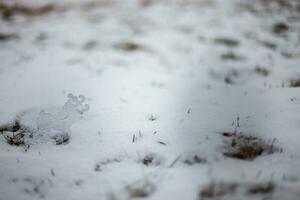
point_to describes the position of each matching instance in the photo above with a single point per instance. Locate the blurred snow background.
(145, 91)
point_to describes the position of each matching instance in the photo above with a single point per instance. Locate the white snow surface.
(169, 95)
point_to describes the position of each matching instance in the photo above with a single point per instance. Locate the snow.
(153, 83)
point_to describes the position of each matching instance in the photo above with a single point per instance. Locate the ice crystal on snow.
(58, 124)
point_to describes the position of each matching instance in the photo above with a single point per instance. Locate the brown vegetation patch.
(141, 190)
(295, 83)
(231, 189)
(6, 37)
(214, 190)
(128, 46)
(280, 28)
(15, 139)
(8, 10)
(246, 147)
(227, 42)
(231, 56)
(11, 127)
(262, 71)
(272, 6)
(261, 188)
(14, 133)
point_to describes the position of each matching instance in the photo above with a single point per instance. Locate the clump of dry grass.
(246, 147)
(151, 159)
(261, 188)
(230, 189)
(15, 139)
(7, 36)
(231, 56)
(226, 41)
(295, 83)
(141, 190)
(8, 10)
(280, 28)
(148, 159)
(271, 6)
(11, 127)
(195, 159)
(14, 133)
(262, 71)
(214, 190)
(128, 46)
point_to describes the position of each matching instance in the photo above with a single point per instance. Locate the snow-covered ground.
(152, 95)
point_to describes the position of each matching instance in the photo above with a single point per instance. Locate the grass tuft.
(246, 147)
